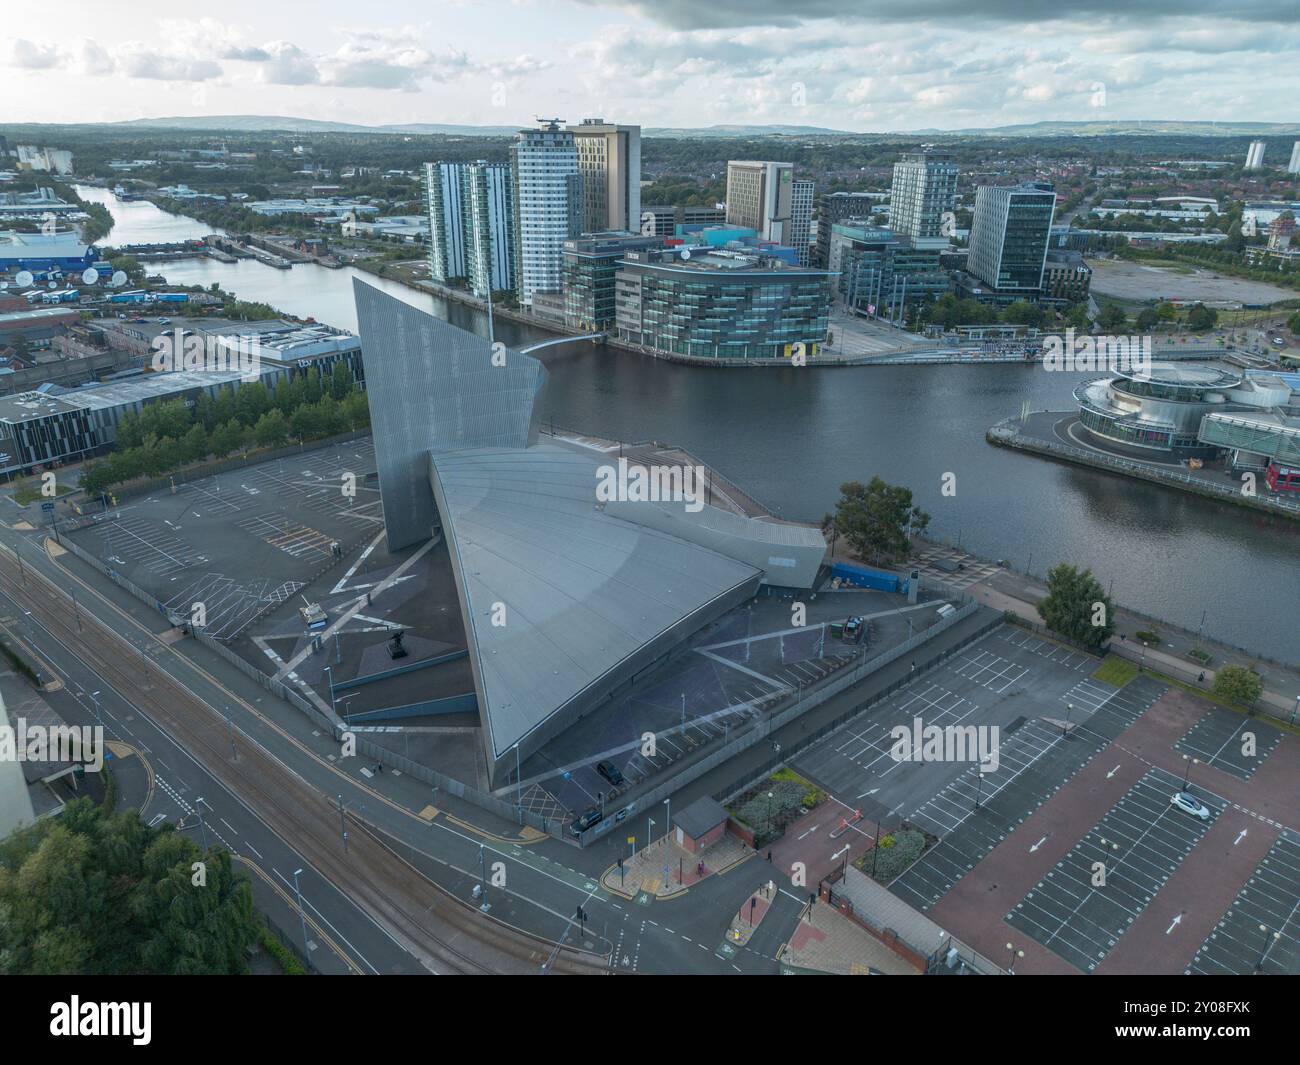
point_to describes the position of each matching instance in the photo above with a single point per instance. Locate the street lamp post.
(1065, 728)
(1187, 771)
(99, 718)
(301, 918)
(1269, 940)
(519, 786)
(1013, 954)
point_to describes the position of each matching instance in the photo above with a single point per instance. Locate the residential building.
(1255, 155)
(548, 206)
(489, 217)
(1009, 238)
(1293, 167)
(760, 197)
(721, 304)
(609, 159)
(444, 187)
(925, 186)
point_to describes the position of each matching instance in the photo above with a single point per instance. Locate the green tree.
(875, 519)
(1112, 318)
(341, 381)
(94, 893)
(1077, 317)
(194, 444)
(1077, 606)
(1237, 684)
(1147, 319)
(1293, 324)
(1166, 311)
(272, 429)
(226, 438)
(1201, 318)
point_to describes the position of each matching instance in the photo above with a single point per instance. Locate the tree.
(341, 380)
(876, 519)
(272, 429)
(1147, 319)
(1293, 324)
(1237, 684)
(226, 438)
(96, 893)
(1077, 317)
(1201, 318)
(1166, 311)
(1112, 318)
(1076, 606)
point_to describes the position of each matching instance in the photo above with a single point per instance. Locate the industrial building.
(566, 597)
(39, 252)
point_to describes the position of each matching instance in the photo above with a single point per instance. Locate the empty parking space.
(156, 548)
(1230, 742)
(974, 813)
(1066, 657)
(1107, 879)
(229, 606)
(1261, 931)
(291, 537)
(989, 670)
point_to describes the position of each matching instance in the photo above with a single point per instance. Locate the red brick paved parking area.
(1170, 881)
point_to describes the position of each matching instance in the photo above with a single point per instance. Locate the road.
(376, 909)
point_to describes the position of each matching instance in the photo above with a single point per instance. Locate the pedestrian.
(769, 856)
(1201, 678)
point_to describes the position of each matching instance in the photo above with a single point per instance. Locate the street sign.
(48, 505)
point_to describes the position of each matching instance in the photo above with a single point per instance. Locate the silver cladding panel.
(790, 556)
(433, 388)
(589, 598)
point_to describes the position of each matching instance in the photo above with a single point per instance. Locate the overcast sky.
(867, 66)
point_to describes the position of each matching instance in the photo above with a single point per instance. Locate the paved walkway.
(645, 872)
(830, 942)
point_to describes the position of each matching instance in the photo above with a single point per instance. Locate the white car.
(1190, 805)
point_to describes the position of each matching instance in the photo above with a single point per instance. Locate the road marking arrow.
(1240, 836)
(840, 853)
(1174, 924)
(1037, 845)
(1112, 772)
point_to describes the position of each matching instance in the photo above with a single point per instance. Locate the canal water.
(791, 437)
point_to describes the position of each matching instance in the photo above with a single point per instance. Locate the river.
(790, 437)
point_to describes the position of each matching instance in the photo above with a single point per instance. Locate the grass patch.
(29, 491)
(1115, 670)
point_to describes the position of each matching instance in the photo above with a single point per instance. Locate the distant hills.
(1112, 127)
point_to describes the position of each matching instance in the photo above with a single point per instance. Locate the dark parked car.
(610, 772)
(591, 817)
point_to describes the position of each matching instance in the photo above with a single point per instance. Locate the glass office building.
(721, 304)
(590, 265)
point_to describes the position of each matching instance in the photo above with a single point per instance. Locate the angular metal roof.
(586, 595)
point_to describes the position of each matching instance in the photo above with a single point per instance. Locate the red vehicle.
(1283, 478)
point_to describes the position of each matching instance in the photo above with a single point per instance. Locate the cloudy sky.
(847, 64)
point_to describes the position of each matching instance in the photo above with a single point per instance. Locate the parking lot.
(243, 541)
(1037, 758)
(1012, 681)
(1261, 931)
(1230, 742)
(1092, 896)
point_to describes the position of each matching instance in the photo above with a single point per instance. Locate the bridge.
(532, 349)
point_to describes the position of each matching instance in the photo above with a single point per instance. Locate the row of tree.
(169, 434)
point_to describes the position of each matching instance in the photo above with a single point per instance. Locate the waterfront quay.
(1055, 434)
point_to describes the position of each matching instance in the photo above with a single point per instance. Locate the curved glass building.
(1161, 410)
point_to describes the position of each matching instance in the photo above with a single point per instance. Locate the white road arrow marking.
(840, 853)
(1240, 836)
(1174, 924)
(1037, 845)
(1112, 772)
